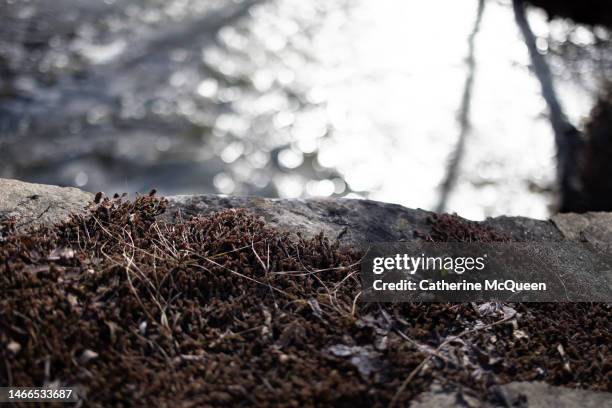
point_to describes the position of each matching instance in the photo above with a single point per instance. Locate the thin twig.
(448, 340)
(464, 115)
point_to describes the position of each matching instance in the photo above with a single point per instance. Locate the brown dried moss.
(223, 310)
(452, 228)
(538, 357)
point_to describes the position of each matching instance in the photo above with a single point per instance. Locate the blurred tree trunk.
(596, 168)
(568, 140)
(584, 164)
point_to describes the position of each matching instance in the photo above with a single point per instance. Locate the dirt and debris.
(223, 310)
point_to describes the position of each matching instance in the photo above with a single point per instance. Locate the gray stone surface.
(542, 395)
(526, 229)
(34, 204)
(516, 394)
(595, 228)
(353, 222)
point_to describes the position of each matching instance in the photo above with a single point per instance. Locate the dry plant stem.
(240, 275)
(448, 340)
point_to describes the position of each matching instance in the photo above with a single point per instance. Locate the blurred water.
(286, 98)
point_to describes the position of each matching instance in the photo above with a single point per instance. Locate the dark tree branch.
(464, 116)
(568, 140)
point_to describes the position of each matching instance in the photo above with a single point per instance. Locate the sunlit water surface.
(286, 98)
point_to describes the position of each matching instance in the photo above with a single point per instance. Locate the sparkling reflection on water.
(283, 98)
